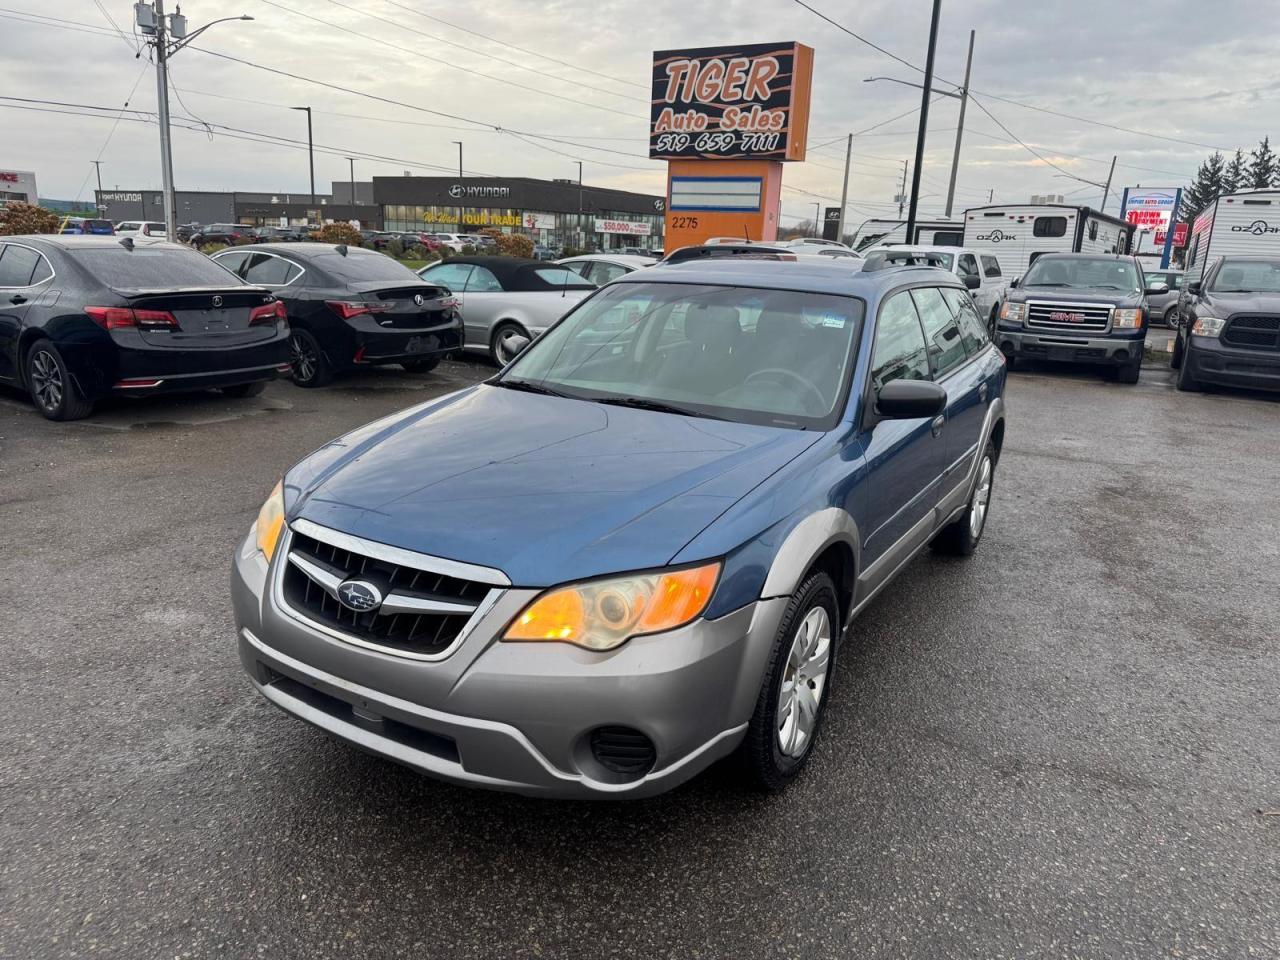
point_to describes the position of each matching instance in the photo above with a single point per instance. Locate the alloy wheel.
(981, 498)
(505, 353)
(46, 379)
(803, 683)
(302, 358)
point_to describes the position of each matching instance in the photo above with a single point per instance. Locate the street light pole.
(581, 232)
(352, 161)
(1107, 189)
(817, 216)
(311, 154)
(459, 143)
(844, 193)
(924, 121)
(964, 102)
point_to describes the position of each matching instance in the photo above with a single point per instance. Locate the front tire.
(51, 386)
(794, 694)
(1129, 372)
(307, 360)
(499, 344)
(961, 536)
(1187, 381)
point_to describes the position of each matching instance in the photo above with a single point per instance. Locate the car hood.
(1119, 298)
(546, 489)
(1229, 303)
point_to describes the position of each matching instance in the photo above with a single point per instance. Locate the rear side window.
(946, 348)
(899, 352)
(482, 280)
(364, 266)
(602, 273)
(145, 268)
(991, 265)
(1049, 227)
(17, 265)
(232, 261)
(269, 270)
(972, 330)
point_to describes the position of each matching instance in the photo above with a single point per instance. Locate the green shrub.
(23, 218)
(395, 248)
(209, 249)
(514, 245)
(338, 233)
(571, 252)
(417, 252)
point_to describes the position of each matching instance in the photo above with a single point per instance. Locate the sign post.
(726, 119)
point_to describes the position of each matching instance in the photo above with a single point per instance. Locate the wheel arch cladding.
(828, 540)
(997, 437)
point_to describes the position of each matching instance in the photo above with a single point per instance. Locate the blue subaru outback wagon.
(636, 549)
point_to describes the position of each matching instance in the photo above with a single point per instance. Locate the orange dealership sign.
(744, 102)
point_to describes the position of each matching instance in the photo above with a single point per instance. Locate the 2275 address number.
(684, 223)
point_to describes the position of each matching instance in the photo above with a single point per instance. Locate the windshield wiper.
(528, 386)
(640, 403)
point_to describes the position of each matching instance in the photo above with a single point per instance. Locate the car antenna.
(342, 249)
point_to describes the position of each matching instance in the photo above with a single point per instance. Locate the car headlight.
(1208, 326)
(271, 521)
(1013, 312)
(1126, 319)
(603, 614)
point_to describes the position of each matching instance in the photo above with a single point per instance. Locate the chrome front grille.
(424, 605)
(1051, 315)
(1252, 332)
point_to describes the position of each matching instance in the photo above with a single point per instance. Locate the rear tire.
(51, 386)
(242, 390)
(796, 687)
(502, 354)
(961, 536)
(1187, 381)
(1129, 372)
(310, 368)
(421, 365)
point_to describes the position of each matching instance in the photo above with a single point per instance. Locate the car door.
(949, 363)
(23, 275)
(484, 301)
(967, 266)
(976, 383)
(905, 458)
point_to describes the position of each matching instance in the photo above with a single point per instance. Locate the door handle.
(938, 421)
(17, 298)
(982, 392)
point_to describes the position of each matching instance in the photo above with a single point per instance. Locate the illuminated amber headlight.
(271, 521)
(603, 614)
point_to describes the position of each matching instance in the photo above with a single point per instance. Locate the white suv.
(139, 228)
(980, 271)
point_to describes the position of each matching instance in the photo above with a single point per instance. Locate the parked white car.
(980, 272)
(505, 298)
(140, 228)
(454, 241)
(600, 268)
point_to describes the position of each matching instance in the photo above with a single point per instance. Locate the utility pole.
(1107, 189)
(459, 143)
(817, 217)
(167, 35)
(352, 161)
(924, 121)
(844, 194)
(581, 232)
(311, 154)
(964, 102)
(902, 193)
(991, 195)
(97, 165)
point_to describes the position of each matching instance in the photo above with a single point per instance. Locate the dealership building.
(552, 212)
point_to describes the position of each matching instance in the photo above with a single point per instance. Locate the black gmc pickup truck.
(1080, 308)
(1230, 329)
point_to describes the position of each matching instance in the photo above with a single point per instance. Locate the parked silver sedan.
(505, 300)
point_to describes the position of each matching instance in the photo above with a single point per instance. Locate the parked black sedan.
(83, 317)
(348, 306)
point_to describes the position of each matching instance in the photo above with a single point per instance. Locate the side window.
(899, 352)
(580, 267)
(968, 266)
(1175, 281)
(270, 271)
(482, 280)
(42, 271)
(450, 275)
(232, 261)
(946, 348)
(602, 273)
(16, 265)
(972, 330)
(1049, 227)
(991, 265)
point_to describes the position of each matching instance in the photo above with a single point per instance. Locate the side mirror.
(910, 400)
(1194, 288)
(1013, 284)
(1157, 289)
(972, 282)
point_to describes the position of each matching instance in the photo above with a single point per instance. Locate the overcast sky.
(1177, 68)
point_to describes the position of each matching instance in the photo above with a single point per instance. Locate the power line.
(860, 38)
(1041, 157)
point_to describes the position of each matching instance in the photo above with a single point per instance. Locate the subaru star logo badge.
(417, 298)
(359, 595)
(217, 301)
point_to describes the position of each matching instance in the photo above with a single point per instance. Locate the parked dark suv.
(1079, 308)
(1230, 333)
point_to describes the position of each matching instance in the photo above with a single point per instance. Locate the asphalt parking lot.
(1064, 747)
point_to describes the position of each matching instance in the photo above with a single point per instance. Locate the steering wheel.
(780, 373)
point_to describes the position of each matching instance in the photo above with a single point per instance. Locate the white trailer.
(1018, 233)
(1238, 224)
(928, 233)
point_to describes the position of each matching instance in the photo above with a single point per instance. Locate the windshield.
(773, 357)
(147, 267)
(1099, 273)
(1247, 276)
(364, 266)
(879, 259)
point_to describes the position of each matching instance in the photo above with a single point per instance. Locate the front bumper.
(1211, 361)
(512, 716)
(1066, 347)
